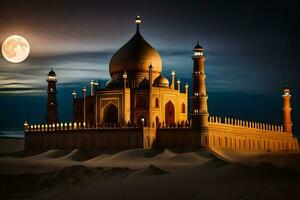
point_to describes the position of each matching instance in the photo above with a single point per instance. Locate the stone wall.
(173, 138)
(249, 136)
(223, 133)
(86, 139)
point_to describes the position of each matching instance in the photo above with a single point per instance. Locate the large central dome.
(135, 57)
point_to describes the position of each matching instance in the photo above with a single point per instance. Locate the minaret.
(286, 111)
(51, 104)
(173, 80)
(84, 105)
(124, 99)
(199, 97)
(150, 96)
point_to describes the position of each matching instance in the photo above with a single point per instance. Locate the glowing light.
(138, 20)
(198, 53)
(52, 78)
(15, 49)
(74, 94)
(125, 75)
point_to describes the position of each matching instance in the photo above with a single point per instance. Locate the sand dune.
(131, 154)
(188, 158)
(149, 171)
(77, 156)
(53, 153)
(165, 154)
(149, 174)
(215, 179)
(99, 158)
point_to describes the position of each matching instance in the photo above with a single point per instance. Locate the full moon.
(15, 49)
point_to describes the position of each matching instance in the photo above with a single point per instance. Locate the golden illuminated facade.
(139, 108)
(137, 94)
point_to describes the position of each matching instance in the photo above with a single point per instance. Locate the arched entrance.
(110, 114)
(157, 122)
(169, 113)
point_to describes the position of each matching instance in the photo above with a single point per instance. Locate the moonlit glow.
(15, 49)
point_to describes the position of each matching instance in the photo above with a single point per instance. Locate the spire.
(198, 46)
(138, 21)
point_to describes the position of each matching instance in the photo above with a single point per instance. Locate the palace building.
(139, 108)
(137, 92)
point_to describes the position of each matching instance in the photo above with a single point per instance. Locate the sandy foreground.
(142, 174)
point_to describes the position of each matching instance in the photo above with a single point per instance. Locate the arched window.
(141, 102)
(156, 103)
(169, 113)
(110, 114)
(183, 108)
(157, 121)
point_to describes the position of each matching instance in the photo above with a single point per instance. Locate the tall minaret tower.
(286, 110)
(51, 104)
(199, 99)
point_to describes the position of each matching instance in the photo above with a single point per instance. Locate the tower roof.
(51, 73)
(135, 56)
(198, 47)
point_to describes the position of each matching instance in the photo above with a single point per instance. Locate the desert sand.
(146, 174)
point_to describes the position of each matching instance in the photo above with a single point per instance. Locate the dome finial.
(138, 21)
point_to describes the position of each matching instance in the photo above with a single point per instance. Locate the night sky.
(251, 49)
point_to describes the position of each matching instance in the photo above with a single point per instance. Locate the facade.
(137, 94)
(139, 108)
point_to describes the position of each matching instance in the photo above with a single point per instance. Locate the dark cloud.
(251, 46)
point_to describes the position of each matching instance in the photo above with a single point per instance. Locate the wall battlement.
(83, 126)
(245, 123)
(220, 135)
(249, 138)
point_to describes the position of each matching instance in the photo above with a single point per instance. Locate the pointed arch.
(110, 114)
(156, 103)
(140, 102)
(169, 113)
(183, 108)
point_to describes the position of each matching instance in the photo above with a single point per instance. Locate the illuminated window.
(183, 108)
(51, 78)
(156, 103)
(197, 53)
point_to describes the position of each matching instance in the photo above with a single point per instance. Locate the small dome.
(198, 47)
(144, 84)
(286, 91)
(161, 81)
(51, 73)
(114, 83)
